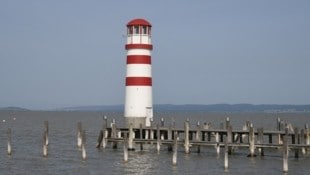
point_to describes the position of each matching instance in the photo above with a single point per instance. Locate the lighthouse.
(138, 95)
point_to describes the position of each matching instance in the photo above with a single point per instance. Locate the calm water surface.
(65, 158)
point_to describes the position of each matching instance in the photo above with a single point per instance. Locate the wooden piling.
(100, 139)
(83, 145)
(260, 140)
(105, 132)
(170, 137)
(158, 138)
(79, 134)
(44, 144)
(251, 142)
(302, 141)
(114, 134)
(175, 149)
(198, 137)
(226, 154)
(125, 147)
(131, 137)
(229, 138)
(46, 131)
(217, 139)
(186, 137)
(9, 135)
(296, 141)
(285, 151)
(141, 137)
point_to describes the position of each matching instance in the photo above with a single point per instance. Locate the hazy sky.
(69, 53)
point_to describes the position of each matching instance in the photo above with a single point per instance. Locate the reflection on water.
(65, 158)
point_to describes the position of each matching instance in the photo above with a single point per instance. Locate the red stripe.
(139, 46)
(138, 59)
(138, 81)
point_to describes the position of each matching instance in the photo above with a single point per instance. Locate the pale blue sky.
(69, 53)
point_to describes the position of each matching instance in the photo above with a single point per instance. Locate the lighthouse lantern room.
(138, 98)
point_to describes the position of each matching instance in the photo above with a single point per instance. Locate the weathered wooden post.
(229, 138)
(83, 145)
(285, 151)
(307, 132)
(100, 139)
(251, 142)
(175, 149)
(125, 147)
(9, 134)
(79, 134)
(152, 131)
(105, 132)
(114, 134)
(141, 137)
(279, 129)
(44, 144)
(158, 138)
(226, 154)
(170, 137)
(217, 140)
(296, 141)
(260, 140)
(186, 137)
(198, 136)
(131, 137)
(46, 131)
(302, 141)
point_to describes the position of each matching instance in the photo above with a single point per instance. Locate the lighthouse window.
(129, 30)
(136, 29)
(144, 30)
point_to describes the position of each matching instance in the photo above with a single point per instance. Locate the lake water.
(65, 158)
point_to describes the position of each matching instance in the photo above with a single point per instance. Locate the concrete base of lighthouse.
(135, 121)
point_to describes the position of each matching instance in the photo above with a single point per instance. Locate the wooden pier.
(255, 140)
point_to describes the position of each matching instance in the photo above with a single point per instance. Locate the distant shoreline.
(267, 108)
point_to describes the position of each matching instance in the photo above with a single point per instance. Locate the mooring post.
(141, 137)
(226, 154)
(105, 132)
(9, 134)
(285, 151)
(114, 134)
(170, 137)
(217, 140)
(152, 131)
(46, 131)
(175, 149)
(83, 145)
(302, 141)
(296, 141)
(198, 136)
(125, 147)
(229, 138)
(131, 137)
(251, 141)
(186, 137)
(44, 144)
(279, 129)
(79, 134)
(100, 139)
(260, 140)
(158, 138)
(307, 132)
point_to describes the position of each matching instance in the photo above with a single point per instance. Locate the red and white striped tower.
(138, 99)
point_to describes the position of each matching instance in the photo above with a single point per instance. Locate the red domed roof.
(139, 21)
